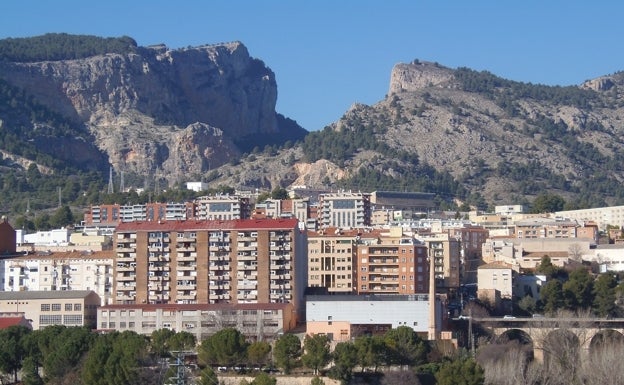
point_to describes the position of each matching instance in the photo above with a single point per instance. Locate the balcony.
(243, 267)
(219, 258)
(219, 268)
(125, 268)
(219, 296)
(158, 268)
(185, 296)
(285, 286)
(186, 286)
(126, 278)
(186, 267)
(162, 258)
(186, 249)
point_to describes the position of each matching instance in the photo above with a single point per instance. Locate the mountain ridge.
(208, 113)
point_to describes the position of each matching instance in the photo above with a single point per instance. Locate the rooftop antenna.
(110, 181)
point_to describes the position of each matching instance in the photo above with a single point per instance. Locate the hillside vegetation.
(470, 137)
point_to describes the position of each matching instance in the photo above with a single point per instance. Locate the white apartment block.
(60, 272)
(344, 210)
(603, 216)
(222, 207)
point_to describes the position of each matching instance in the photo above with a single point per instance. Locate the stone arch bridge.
(577, 333)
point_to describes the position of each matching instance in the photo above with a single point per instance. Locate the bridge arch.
(562, 346)
(518, 335)
(605, 338)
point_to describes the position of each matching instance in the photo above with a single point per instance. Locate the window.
(122, 325)
(45, 307)
(131, 324)
(77, 307)
(72, 319)
(68, 307)
(56, 307)
(50, 319)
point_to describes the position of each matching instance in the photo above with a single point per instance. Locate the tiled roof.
(78, 255)
(53, 294)
(235, 224)
(6, 322)
(200, 306)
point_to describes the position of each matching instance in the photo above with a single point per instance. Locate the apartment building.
(471, 240)
(403, 200)
(332, 255)
(210, 262)
(446, 253)
(285, 208)
(113, 214)
(222, 207)
(546, 228)
(393, 264)
(602, 216)
(82, 271)
(44, 308)
(344, 210)
(258, 322)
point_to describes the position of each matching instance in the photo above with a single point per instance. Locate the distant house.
(495, 281)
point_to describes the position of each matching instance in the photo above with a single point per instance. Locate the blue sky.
(328, 54)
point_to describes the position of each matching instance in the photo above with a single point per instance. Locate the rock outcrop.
(159, 110)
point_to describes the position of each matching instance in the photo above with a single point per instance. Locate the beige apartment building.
(394, 264)
(331, 259)
(210, 262)
(44, 308)
(446, 253)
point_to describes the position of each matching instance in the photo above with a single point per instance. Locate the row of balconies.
(383, 261)
(224, 267)
(218, 296)
(247, 296)
(187, 248)
(283, 237)
(159, 258)
(247, 275)
(164, 239)
(158, 268)
(275, 286)
(219, 258)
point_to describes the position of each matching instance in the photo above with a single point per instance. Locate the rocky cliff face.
(158, 110)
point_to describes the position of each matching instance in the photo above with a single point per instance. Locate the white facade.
(57, 237)
(344, 210)
(508, 209)
(58, 272)
(221, 207)
(395, 310)
(608, 257)
(197, 186)
(603, 216)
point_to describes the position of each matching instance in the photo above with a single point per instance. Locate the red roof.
(6, 322)
(235, 224)
(199, 306)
